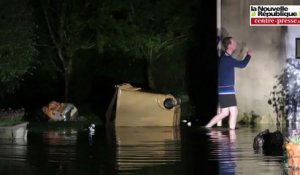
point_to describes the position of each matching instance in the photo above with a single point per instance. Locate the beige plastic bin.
(135, 107)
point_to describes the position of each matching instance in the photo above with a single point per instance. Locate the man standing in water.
(227, 99)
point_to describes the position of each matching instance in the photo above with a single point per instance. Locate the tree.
(16, 43)
(148, 29)
(69, 27)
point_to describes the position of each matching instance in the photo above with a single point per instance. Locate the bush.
(285, 96)
(11, 116)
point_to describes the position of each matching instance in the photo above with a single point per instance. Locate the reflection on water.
(12, 154)
(234, 154)
(57, 142)
(51, 151)
(140, 147)
(121, 150)
(14, 150)
(226, 150)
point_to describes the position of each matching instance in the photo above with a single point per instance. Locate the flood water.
(138, 150)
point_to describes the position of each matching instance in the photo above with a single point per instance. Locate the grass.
(9, 122)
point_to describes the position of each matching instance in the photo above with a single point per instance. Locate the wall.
(254, 83)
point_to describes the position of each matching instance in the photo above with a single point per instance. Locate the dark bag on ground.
(269, 142)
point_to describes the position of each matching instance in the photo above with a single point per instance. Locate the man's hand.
(249, 52)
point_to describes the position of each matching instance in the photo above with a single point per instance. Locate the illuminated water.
(155, 151)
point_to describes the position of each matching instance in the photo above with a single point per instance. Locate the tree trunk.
(67, 81)
(64, 55)
(151, 79)
(66, 60)
(67, 75)
(150, 75)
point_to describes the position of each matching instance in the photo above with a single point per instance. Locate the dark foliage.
(285, 96)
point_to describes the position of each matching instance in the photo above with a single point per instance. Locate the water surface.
(138, 150)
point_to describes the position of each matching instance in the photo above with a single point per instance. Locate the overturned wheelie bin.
(131, 106)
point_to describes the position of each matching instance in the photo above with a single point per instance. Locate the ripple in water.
(140, 147)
